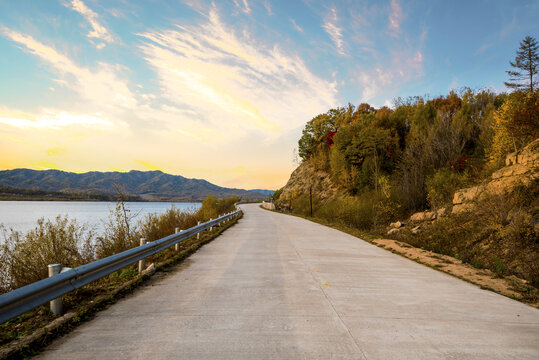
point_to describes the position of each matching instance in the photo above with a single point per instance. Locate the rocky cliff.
(302, 179)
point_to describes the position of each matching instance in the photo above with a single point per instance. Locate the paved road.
(279, 287)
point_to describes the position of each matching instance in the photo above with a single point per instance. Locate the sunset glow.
(221, 90)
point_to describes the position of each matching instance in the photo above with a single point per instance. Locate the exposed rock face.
(268, 205)
(301, 181)
(394, 230)
(460, 208)
(442, 212)
(468, 194)
(521, 169)
(423, 216)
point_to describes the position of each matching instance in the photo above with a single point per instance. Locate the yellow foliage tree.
(516, 123)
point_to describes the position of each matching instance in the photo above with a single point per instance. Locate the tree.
(516, 123)
(526, 62)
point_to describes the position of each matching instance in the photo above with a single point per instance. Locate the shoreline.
(94, 200)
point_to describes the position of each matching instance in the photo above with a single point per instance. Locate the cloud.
(296, 26)
(222, 94)
(268, 7)
(334, 31)
(244, 6)
(232, 83)
(404, 66)
(98, 31)
(100, 86)
(482, 49)
(53, 120)
(374, 82)
(395, 17)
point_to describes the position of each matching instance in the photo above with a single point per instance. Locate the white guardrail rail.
(21, 300)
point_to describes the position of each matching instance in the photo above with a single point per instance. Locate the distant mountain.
(265, 192)
(150, 185)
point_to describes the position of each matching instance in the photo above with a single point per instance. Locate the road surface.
(280, 287)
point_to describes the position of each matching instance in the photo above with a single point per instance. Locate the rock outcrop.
(268, 205)
(300, 183)
(521, 169)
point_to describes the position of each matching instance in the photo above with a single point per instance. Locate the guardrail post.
(56, 304)
(177, 245)
(198, 234)
(211, 227)
(142, 263)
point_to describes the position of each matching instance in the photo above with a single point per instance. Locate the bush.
(120, 233)
(357, 212)
(386, 211)
(24, 259)
(157, 226)
(277, 194)
(442, 185)
(212, 207)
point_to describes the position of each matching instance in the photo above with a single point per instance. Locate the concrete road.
(280, 287)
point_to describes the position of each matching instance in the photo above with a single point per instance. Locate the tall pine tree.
(526, 65)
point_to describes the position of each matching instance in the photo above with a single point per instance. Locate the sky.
(221, 90)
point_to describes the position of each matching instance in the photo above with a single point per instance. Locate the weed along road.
(280, 287)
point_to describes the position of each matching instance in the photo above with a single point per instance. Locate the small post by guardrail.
(211, 227)
(142, 262)
(198, 234)
(177, 245)
(55, 304)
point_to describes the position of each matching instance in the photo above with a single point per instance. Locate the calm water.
(23, 215)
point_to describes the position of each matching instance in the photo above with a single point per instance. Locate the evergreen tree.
(526, 63)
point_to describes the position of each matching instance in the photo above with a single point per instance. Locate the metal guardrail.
(21, 300)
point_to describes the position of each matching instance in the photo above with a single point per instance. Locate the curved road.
(280, 287)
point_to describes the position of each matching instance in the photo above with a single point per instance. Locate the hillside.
(304, 178)
(150, 185)
(456, 175)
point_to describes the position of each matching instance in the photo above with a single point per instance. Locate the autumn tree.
(516, 123)
(526, 65)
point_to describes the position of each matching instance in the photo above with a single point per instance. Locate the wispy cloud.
(395, 17)
(482, 49)
(98, 31)
(101, 85)
(268, 7)
(244, 6)
(331, 26)
(405, 65)
(232, 83)
(52, 120)
(296, 26)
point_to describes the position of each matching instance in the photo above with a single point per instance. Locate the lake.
(23, 215)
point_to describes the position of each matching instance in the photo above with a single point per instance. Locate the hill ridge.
(150, 185)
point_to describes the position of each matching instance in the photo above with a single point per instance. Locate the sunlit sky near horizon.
(221, 90)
